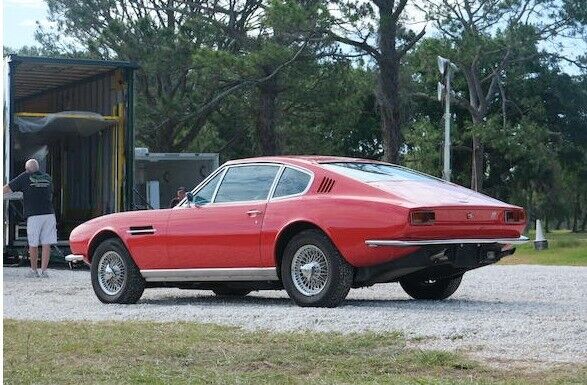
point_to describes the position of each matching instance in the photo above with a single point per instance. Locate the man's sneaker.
(32, 274)
(44, 275)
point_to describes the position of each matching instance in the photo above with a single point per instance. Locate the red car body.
(370, 223)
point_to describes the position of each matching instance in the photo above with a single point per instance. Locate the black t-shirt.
(37, 192)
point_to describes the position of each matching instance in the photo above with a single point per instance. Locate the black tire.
(133, 284)
(231, 292)
(436, 290)
(339, 275)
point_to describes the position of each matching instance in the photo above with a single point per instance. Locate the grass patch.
(564, 248)
(190, 353)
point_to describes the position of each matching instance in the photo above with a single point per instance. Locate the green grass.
(564, 248)
(182, 353)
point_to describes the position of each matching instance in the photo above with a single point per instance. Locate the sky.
(20, 17)
(19, 22)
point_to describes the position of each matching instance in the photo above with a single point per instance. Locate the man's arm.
(15, 184)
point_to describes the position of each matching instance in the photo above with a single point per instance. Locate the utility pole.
(446, 69)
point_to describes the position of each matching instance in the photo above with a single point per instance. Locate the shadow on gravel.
(458, 305)
(215, 301)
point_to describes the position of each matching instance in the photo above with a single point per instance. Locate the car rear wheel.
(437, 289)
(313, 272)
(231, 292)
(115, 277)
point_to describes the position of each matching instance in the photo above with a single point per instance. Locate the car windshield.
(375, 172)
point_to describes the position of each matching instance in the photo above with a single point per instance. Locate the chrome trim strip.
(203, 183)
(215, 274)
(399, 243)
(217, 185)
(141, 231)
(275, 182)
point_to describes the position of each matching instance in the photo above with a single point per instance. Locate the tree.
(192, 55)
(376, 29)
(486, 38)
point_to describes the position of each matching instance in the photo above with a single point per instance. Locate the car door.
(222, 228)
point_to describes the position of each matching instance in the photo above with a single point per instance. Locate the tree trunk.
(389, 106)
(388, 82)
(268, 93)
(477, 166)
(576, 213)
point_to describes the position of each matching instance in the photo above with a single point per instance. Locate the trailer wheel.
(115, 277)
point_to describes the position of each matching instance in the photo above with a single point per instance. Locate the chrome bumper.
(479, 241)
(74, 258)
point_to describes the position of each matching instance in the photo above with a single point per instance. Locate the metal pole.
(446, 170)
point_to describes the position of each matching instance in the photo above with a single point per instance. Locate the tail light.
(515, 216)
(422, 217)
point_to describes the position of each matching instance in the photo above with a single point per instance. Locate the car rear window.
(375, 172)
(292, 182)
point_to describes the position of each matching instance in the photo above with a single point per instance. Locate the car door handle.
(254, 213)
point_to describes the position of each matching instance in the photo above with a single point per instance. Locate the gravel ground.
(534, 314)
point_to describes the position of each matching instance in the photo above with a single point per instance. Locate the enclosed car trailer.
(76, 117)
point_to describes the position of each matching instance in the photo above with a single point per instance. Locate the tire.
(130, 284)
(334, 275)
(230, 292)
(436, 290)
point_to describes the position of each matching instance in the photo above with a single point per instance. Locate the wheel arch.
(100, 237)
(287, 233)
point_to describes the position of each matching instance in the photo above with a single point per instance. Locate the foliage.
(253, 77)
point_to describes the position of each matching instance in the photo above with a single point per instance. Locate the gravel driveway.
(526, 313)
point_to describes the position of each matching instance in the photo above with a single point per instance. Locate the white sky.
(21, 17)
(19, 22)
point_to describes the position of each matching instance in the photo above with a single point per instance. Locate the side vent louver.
(326, 185)
(141, 230)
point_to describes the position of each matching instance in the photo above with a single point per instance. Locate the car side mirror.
(190, 197)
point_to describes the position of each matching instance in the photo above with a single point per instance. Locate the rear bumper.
(428, 242)
(434, 262)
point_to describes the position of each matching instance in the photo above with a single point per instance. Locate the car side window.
(205, 194)
(291, 182)
(246, 183)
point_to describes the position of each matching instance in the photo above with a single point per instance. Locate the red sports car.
(316, 226)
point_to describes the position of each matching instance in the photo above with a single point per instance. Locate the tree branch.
(363, 45)
(406, 47)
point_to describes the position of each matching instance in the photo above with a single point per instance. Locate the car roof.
(299, 159)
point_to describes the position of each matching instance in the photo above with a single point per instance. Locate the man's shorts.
(41, 230)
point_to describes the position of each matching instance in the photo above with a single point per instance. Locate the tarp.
(67, 122)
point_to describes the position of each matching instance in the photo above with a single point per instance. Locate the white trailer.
(159, 175)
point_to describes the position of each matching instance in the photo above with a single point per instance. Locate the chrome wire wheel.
(309, 270)
(111, 273)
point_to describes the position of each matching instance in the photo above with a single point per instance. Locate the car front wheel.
(313, 272)
(437, 289)
(115, 277)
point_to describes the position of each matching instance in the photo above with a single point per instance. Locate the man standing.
(178, 198)
(37, 191)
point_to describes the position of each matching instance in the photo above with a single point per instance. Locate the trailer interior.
(73, 117)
